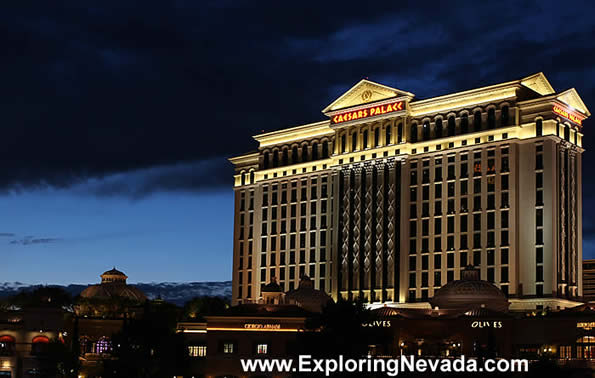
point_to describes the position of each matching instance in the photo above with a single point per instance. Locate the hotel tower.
(390, 197)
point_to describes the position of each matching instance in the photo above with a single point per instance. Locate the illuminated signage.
(370, 111)
(487, 324)
(585, 325)
(378, 323)
(261, 326)
(568, 115)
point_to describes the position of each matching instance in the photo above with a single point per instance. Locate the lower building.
(26, 338)
(101, 312)
(469, 317)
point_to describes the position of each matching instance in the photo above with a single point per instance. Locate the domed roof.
(113, 285)
(470, 292)
(114, 272)
(109, 291)
(307, 297)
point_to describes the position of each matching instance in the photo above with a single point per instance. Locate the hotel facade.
(391, 197)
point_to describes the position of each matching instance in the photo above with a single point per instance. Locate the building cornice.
(293, 134)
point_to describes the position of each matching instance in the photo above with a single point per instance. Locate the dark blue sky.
(117, 117)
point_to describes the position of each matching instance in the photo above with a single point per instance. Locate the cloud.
(30, 240)
(134, 97)
(6, 234)
(181, 177)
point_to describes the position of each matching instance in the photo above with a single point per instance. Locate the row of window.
(228, 347)
(567, 129)
(426, 132)
(488, 260)
(489, 242)
(305, 153)
(539, 219)
(39, 345)
(300, 238)
(463, 224)
(357, 144)
(313, 194)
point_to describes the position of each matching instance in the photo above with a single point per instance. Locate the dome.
(113, 285)
(307, 297)
(103, 291)
(470, 292)
(113, 275)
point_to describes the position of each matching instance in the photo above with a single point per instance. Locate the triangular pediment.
(539, 83)
(571, 98)
(365, 92)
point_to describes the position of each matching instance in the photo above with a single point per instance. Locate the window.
(567, 133)
(343, 143)
(377, 137)
(504, 116)
(388, 134)
(464, 123)
(450, 260)
(438, 174)
(539, 180)
(504, 164)
(477, 121)
(365, 141)
(504, 238)
(262, 349)
(413, 136)
(412, 264)
(285, 157)
(491, 118)
(539, 217)
(438, 189)
(7, 345)
(539, 127)
(438, 131)
(103, 346)
(353, 141)
(539, 236)
(197, 350)
(463, 242)
(40, 345)
(539, 273)
(426, 130)
(451, 125)
(539, 161)
(228, 348)
(504, 182)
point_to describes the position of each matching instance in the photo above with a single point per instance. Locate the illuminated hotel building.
(391, 197)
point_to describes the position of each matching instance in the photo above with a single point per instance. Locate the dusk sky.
(117, 121)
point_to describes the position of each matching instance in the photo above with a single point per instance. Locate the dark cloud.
(6, 234)
(30, 240)
(128, 98)
(182, 177)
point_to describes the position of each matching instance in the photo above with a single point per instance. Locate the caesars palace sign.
(568, 115)
(367, 112)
